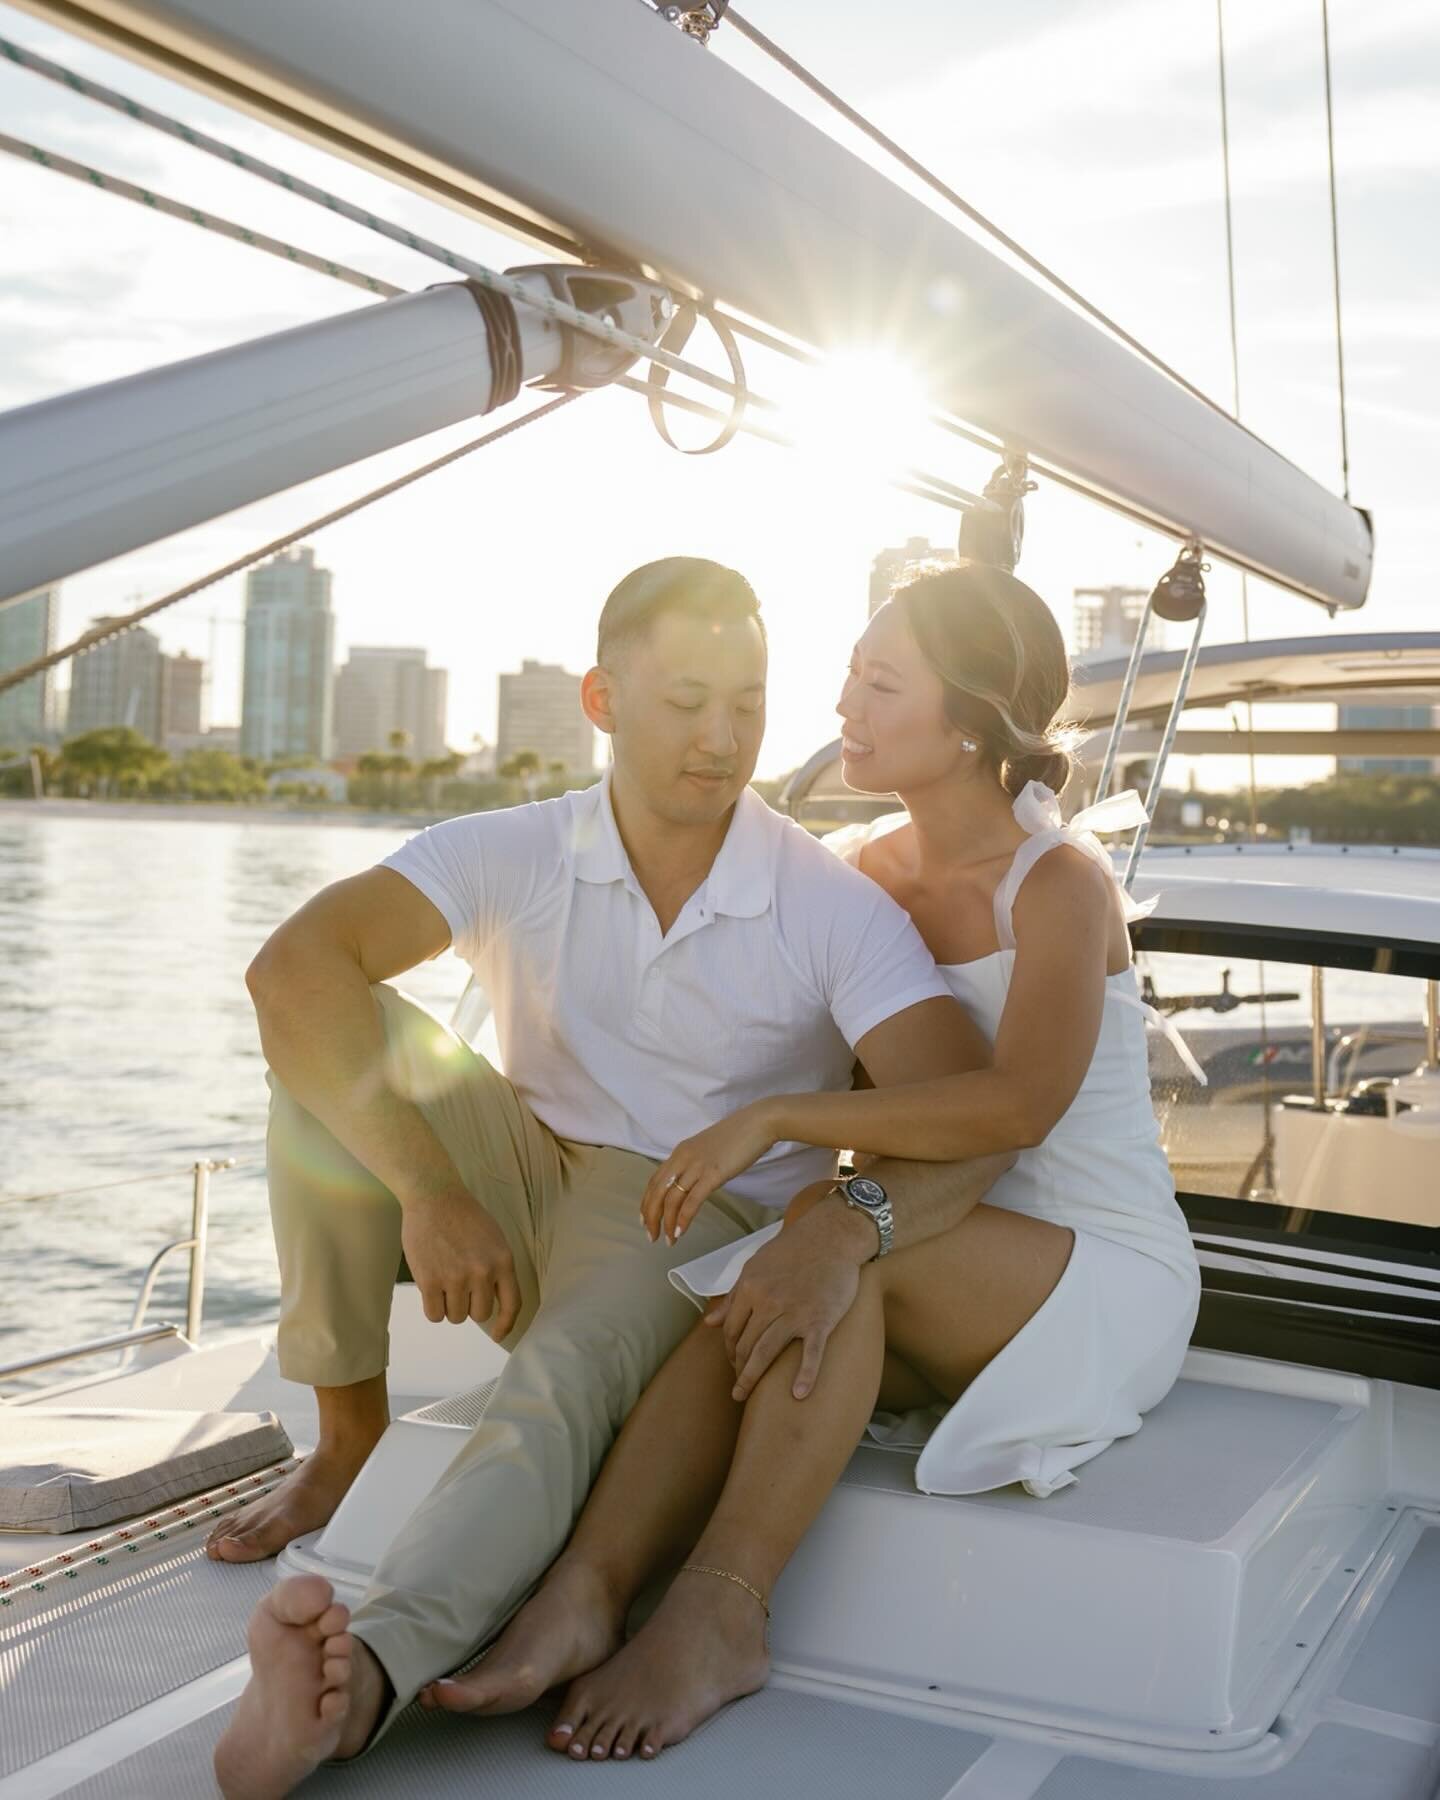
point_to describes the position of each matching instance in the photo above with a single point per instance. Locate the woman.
(1037, 1328)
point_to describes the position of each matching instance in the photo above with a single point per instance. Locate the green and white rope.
(194, 215)
(47, 1577)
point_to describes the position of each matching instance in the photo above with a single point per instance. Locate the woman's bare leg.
(657, 1489)
(649, 1504)
(947, 1307)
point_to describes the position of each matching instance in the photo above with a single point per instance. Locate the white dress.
(1107, 1344)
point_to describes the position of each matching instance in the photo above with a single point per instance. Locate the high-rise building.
(1107, 618)
(890, 565)
(182, 685)
(540, 711)
(1384, 716)
(119, 682)
(27, 630)
(380, 690)
(289, 685)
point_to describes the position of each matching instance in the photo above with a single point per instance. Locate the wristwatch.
(869, 1197)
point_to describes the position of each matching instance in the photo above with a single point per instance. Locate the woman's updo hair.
(997, 648)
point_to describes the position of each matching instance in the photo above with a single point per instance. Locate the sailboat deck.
(123, 1692)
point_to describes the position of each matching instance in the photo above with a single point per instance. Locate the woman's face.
(896, 737)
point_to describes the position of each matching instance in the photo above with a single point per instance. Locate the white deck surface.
(125, 1695)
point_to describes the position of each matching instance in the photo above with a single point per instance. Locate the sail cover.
(600, 119)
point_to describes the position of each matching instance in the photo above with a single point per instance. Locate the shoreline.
(216, 812)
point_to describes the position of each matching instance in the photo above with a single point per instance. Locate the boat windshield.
(1312, 1100)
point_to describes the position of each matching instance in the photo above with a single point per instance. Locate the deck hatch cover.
(1336, 1762)
(1396, 1668)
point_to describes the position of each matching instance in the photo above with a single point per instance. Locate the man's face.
(685, 708)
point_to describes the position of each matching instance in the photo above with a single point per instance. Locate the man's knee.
(607, 1355)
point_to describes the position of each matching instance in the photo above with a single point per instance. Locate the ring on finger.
(675, 1181)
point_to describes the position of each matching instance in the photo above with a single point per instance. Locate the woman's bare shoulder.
(1064, 878)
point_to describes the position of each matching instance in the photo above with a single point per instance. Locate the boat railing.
(195, 1243)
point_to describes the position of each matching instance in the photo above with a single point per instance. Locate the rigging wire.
(1335, 250)
(1263, 1165)
(319, 196)
(302, 125)
(100, 634)
(949, 195)
(592, 324)
(194, 215)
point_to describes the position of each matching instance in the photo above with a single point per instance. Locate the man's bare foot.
(304, 1501)
(290, 1717)
(704, 1647)
(571, 1625)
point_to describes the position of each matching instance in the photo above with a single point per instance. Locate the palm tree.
(370, 768)
(433, 771)
(113, 756)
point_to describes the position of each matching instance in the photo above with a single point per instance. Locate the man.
(659, 950)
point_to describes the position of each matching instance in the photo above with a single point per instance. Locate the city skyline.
(512, 553)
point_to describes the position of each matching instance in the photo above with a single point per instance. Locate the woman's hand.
(693, 1170)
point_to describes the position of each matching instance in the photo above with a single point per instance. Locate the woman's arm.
(1043, 1048)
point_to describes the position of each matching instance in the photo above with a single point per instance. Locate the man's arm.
(321, 1034)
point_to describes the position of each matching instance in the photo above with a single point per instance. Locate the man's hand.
(800, 1285)
(461, 1262)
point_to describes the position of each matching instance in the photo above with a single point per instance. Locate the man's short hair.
(691, 586)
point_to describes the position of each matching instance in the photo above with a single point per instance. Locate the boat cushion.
(76, 1468)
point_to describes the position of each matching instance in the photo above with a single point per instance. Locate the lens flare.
(861, 412)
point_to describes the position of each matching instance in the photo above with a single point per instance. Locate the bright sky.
(1094, 140)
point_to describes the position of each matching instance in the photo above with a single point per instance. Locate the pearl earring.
(968, 744)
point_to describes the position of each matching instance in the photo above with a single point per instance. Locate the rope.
(38, 1578)
(100, 634)
(544, 302)
(193, 215)
(476, 274)
(1335, 250)
(948, 194)
(304, 190)
(93, 90)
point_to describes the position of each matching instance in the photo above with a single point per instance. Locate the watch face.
(866, 1192)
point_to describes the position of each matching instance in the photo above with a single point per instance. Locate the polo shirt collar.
(741, 879)
(599, 853)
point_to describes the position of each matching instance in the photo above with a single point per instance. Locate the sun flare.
(862, 412)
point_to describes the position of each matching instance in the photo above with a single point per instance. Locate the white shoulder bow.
(1037, 808)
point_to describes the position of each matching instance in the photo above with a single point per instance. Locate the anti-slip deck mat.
(776, 1743)
(94, 1656)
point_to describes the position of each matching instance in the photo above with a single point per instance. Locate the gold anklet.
(729, 1575)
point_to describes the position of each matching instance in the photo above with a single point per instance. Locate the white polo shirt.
(777, 966)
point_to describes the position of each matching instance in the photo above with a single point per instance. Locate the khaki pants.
(598, 1319)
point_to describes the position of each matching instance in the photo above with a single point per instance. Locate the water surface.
(128, 1045)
